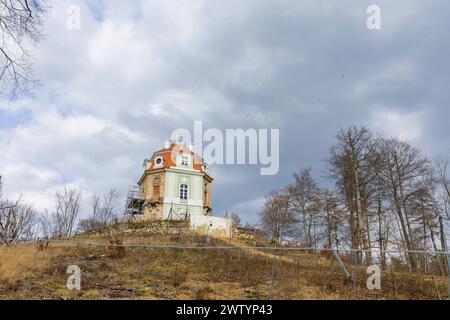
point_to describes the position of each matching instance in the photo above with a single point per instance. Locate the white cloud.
(386, 77)
(53, 150)
(114, 90)
(394, 123)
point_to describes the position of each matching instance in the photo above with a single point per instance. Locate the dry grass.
(138, 273)
(19, 261)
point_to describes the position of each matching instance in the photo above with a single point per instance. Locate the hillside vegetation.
(31, 271)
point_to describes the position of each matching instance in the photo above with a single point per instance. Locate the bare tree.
(235, 219)
(405, 173)
(16, 223)
(333, 215)
(46, 225)
(443, 178)
(108, 213)
(304, 195)
(20, 27)
(276, 217)
(67, 209)
(383, 222)
(104, 211)
(351, 167)
(442, 208)
(16, 220)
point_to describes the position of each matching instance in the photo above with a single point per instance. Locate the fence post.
(448, 266)
(347, 274)
(354, 283)
(272, 278)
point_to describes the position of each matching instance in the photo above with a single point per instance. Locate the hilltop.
(31, 271)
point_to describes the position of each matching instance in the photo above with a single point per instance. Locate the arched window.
(183, 191)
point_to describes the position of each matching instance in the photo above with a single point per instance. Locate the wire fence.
(205, 270)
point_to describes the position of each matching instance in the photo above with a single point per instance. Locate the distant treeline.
(21, 221)
(387, 195)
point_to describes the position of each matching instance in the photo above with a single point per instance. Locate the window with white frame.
(183, 191)
(159, 161)
(184, 160)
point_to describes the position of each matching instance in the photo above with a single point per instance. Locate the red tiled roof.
(169, 157)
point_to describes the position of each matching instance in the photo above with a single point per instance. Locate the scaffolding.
(135, 202)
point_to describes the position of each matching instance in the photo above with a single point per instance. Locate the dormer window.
(158, 161)
(184, 160)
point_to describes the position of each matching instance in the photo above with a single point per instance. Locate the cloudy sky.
(114, 90)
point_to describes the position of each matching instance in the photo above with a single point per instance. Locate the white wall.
(212, 225)
(194, 204)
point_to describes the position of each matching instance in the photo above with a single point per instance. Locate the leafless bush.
(236, 219)
(16, 219)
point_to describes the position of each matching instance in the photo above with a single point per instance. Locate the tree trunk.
(438, 258)
(443, 242)
(380, 234)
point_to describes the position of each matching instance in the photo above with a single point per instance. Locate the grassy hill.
(30, 272)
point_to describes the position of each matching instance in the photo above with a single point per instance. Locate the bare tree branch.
(20, 28)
